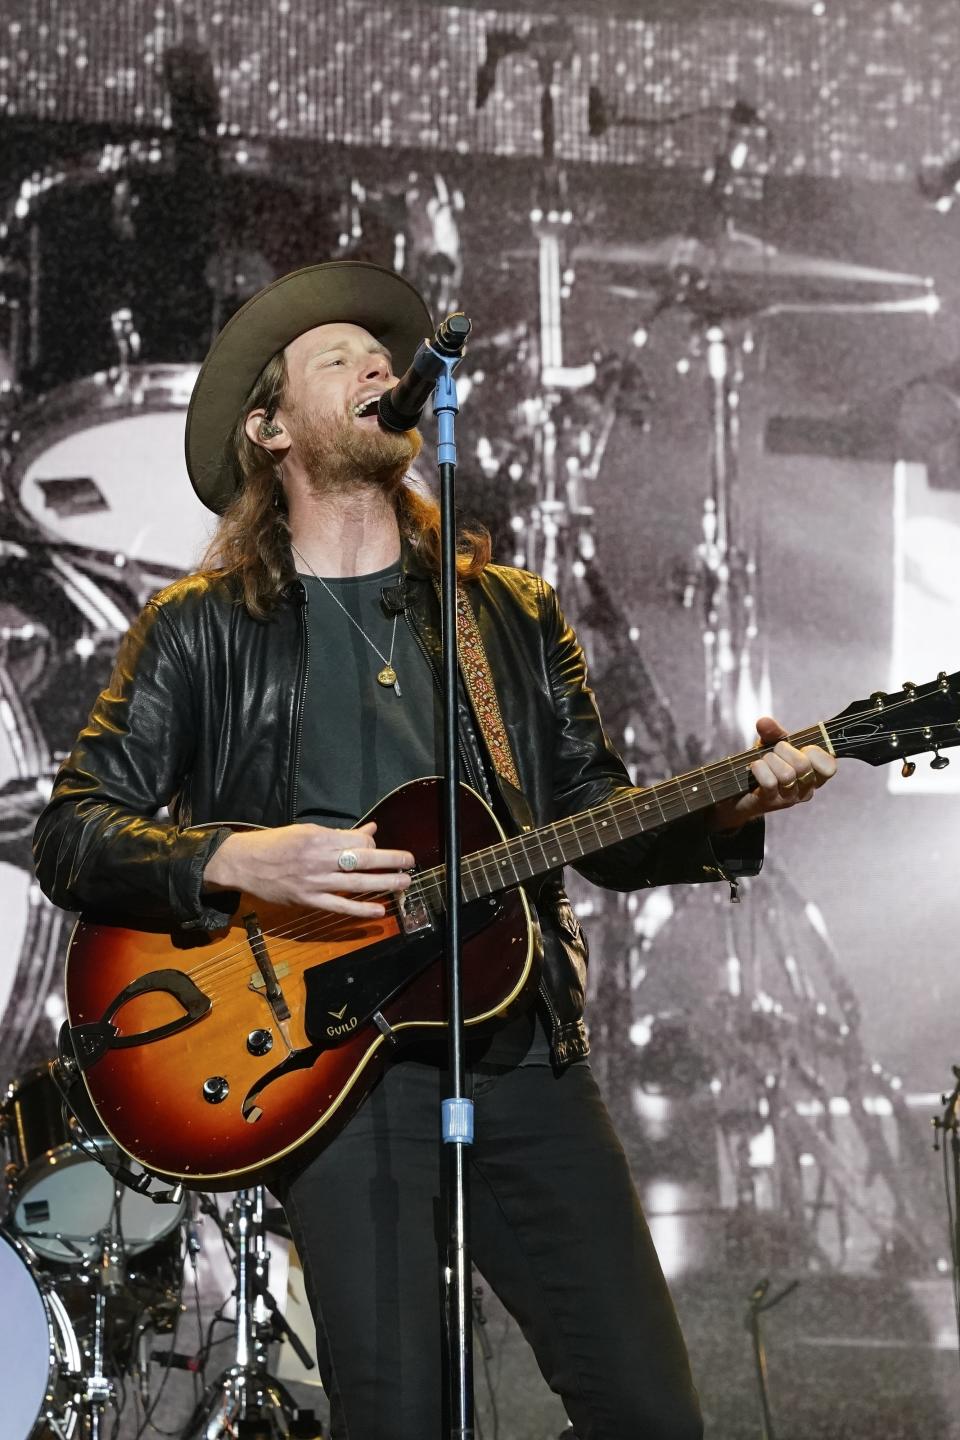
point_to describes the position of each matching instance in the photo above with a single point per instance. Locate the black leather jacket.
(203, 714)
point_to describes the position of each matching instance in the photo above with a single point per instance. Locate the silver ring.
(348, 860)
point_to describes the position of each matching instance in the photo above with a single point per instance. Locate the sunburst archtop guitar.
(209, 1057)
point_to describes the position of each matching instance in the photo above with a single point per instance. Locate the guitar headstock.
(908, 722)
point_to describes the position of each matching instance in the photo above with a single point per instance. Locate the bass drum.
(39, 1353)
(98, 465)
(142, 251)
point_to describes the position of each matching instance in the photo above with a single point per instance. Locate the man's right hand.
(297, 865)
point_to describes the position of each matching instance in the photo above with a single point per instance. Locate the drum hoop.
(58, 1158)
(84, 404)
(57, 1319)
(65, 1157)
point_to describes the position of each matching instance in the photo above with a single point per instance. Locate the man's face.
(334, 372)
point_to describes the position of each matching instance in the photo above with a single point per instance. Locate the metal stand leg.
(246, 1401)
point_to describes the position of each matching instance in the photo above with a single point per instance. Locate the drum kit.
(89, 1267)
(92, 1270)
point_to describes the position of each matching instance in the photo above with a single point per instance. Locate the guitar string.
(292, 935)
(432, 879)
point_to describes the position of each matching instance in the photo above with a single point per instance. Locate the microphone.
(401, 407)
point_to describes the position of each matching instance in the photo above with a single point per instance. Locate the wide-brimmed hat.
(349, 291)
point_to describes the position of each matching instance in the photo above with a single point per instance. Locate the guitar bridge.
(261, 954)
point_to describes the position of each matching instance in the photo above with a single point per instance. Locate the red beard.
(339, 454)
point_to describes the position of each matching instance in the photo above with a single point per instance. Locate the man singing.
(292, 683)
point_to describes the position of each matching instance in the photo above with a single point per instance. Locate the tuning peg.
(908, 687)
(939, 762)
(907, 769)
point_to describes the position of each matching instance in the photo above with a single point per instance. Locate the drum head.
(27, 1348)
(67, 1205)
(100, 464)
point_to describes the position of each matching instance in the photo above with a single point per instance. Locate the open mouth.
(367, 409)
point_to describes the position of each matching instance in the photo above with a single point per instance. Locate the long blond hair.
(252, 540)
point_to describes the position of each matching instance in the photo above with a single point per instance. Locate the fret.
(482, 857)
(468, 878)
(592, 817)
(678, 787)
(738, 784)
(529, 867)
(706, 781)
(433, 889)
(504, 865)
(538, 834)
(655, 792)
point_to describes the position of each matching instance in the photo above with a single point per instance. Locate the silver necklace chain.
(387, 676)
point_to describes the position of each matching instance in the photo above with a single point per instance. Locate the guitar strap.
(475, 669)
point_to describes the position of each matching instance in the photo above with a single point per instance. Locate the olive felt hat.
(347, 291)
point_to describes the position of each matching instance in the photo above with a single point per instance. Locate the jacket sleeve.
(588, 771)
(100, 844)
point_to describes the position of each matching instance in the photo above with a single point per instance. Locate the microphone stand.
(399, 409)
(457, 1110)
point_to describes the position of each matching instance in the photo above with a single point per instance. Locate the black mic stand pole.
(457, 1110)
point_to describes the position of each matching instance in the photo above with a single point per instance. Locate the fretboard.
(564, 842)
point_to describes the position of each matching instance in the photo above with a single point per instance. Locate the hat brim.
(349, 291)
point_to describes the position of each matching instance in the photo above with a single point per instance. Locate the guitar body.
(202, 1075)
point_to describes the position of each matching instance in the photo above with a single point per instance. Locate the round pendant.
(387, 676)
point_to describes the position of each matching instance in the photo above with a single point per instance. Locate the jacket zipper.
(301, 699)
(551, 1009)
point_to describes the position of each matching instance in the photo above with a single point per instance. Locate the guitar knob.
(939, 762)
(259, 1042)
(215, 1089)
(907, 769)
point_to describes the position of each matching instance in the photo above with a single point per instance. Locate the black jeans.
(557, 1231)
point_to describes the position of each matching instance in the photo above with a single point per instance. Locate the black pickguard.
(343, 994)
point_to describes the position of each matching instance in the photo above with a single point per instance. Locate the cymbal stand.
(245, 1399)
(756, 1305)
(99, 1390)
(727, 571)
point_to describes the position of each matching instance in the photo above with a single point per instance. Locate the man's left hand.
(785, 776)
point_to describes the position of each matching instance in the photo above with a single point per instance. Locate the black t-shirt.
(360, 739)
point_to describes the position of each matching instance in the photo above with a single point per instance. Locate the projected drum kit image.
(98, 514)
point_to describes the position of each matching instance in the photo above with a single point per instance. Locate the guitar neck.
(536, 852)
